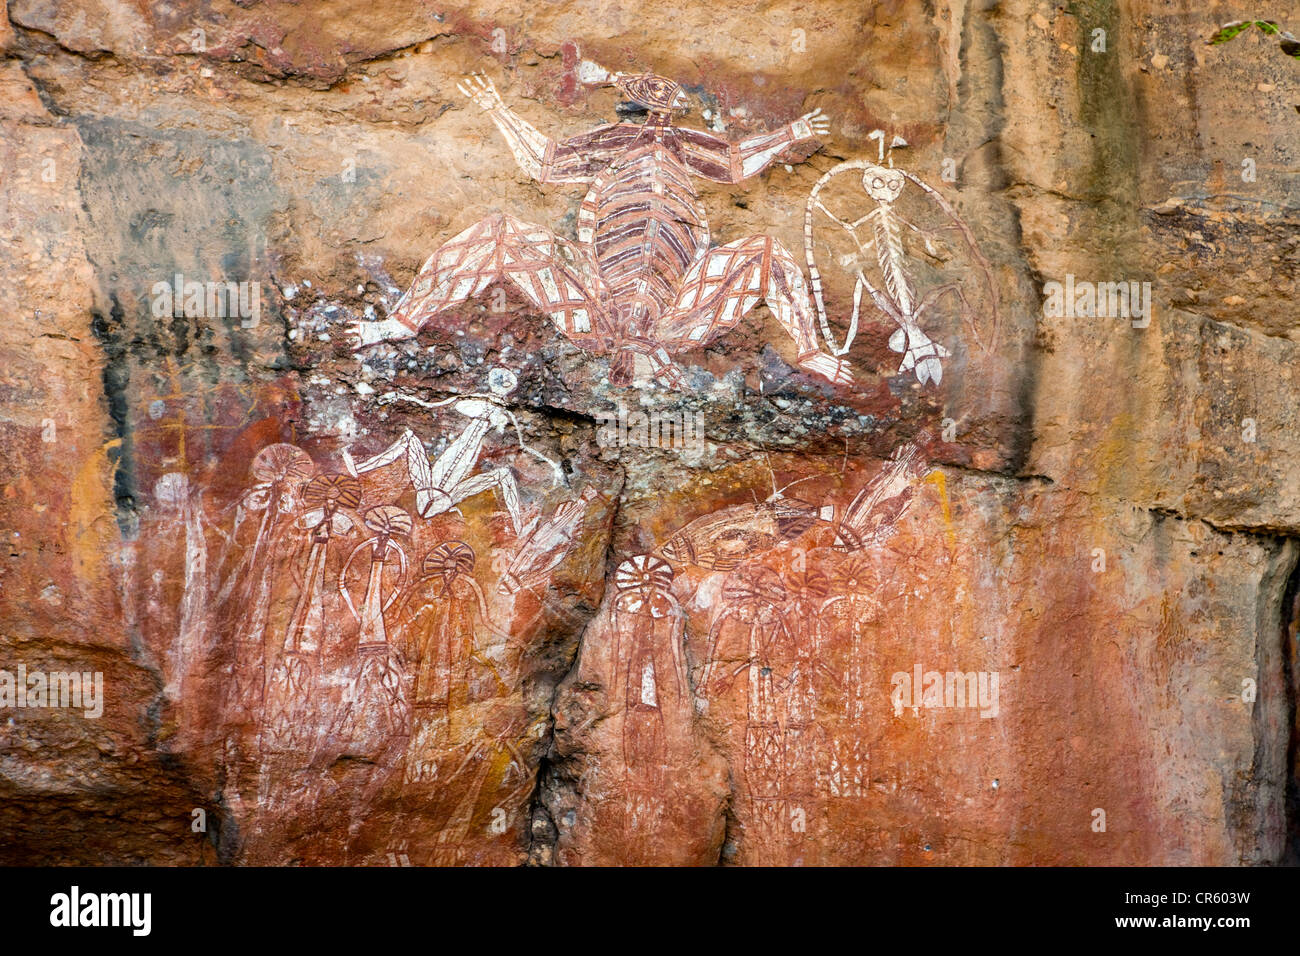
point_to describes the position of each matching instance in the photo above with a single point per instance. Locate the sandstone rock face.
(601, 558)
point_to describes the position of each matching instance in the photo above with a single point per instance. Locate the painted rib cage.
(647, 228)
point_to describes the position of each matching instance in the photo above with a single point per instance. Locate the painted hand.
(481, 90)
(817, 122)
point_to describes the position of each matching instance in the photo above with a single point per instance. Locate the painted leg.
(556, 275)
(920, 352)
(730, 280)
(500, 479)
(622, 369)
(429, 499)
(407, 446)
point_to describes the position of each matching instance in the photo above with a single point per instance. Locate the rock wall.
(608, 564)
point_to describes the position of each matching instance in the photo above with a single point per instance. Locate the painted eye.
(877, 182)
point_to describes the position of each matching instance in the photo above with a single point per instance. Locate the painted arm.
(557, 473)
(343, 577)
(714, 158)
(527, 143)
(575, 160)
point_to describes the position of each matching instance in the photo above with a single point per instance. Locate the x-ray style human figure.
(547, 545)
(642, 283)
(724, 539)
(184, 518)
(489, 786)
(375, 710)
(847, 616)
(649, 678)
(289, 690)
(386, 521)
(326, 497)
(256, 568)
(750, 636)
(807, 587)
(278, 471)
(445, 482)
(444, 611)
(898, 299)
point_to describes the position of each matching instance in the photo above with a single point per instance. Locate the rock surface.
(1040, 611)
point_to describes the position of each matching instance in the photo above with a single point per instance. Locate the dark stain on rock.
(117, 382)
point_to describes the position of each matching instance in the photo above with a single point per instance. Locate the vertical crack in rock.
(1289, 632)
(731, 833)
(553, 771)
(1260, 802)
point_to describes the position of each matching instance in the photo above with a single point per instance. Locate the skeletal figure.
(443, 484)
(643, 281)
(899, 299)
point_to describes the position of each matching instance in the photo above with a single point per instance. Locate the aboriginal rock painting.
(365, 610)
(877, 248)
(364, 621)
(643, 282)
(751, 623)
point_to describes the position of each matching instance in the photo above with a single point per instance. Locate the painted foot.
(670, 376)
(363, 334)
(834, 370)
(919, 353)
(622, 368)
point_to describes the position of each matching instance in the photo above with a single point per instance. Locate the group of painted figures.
(334, 593)
(785, 634)
(360, 628)
(354, 625)
(643, 283)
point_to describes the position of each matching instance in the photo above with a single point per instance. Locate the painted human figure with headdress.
(643, 282)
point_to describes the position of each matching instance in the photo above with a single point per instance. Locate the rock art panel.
(616, 529)
(643, 281)
(361, 638)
